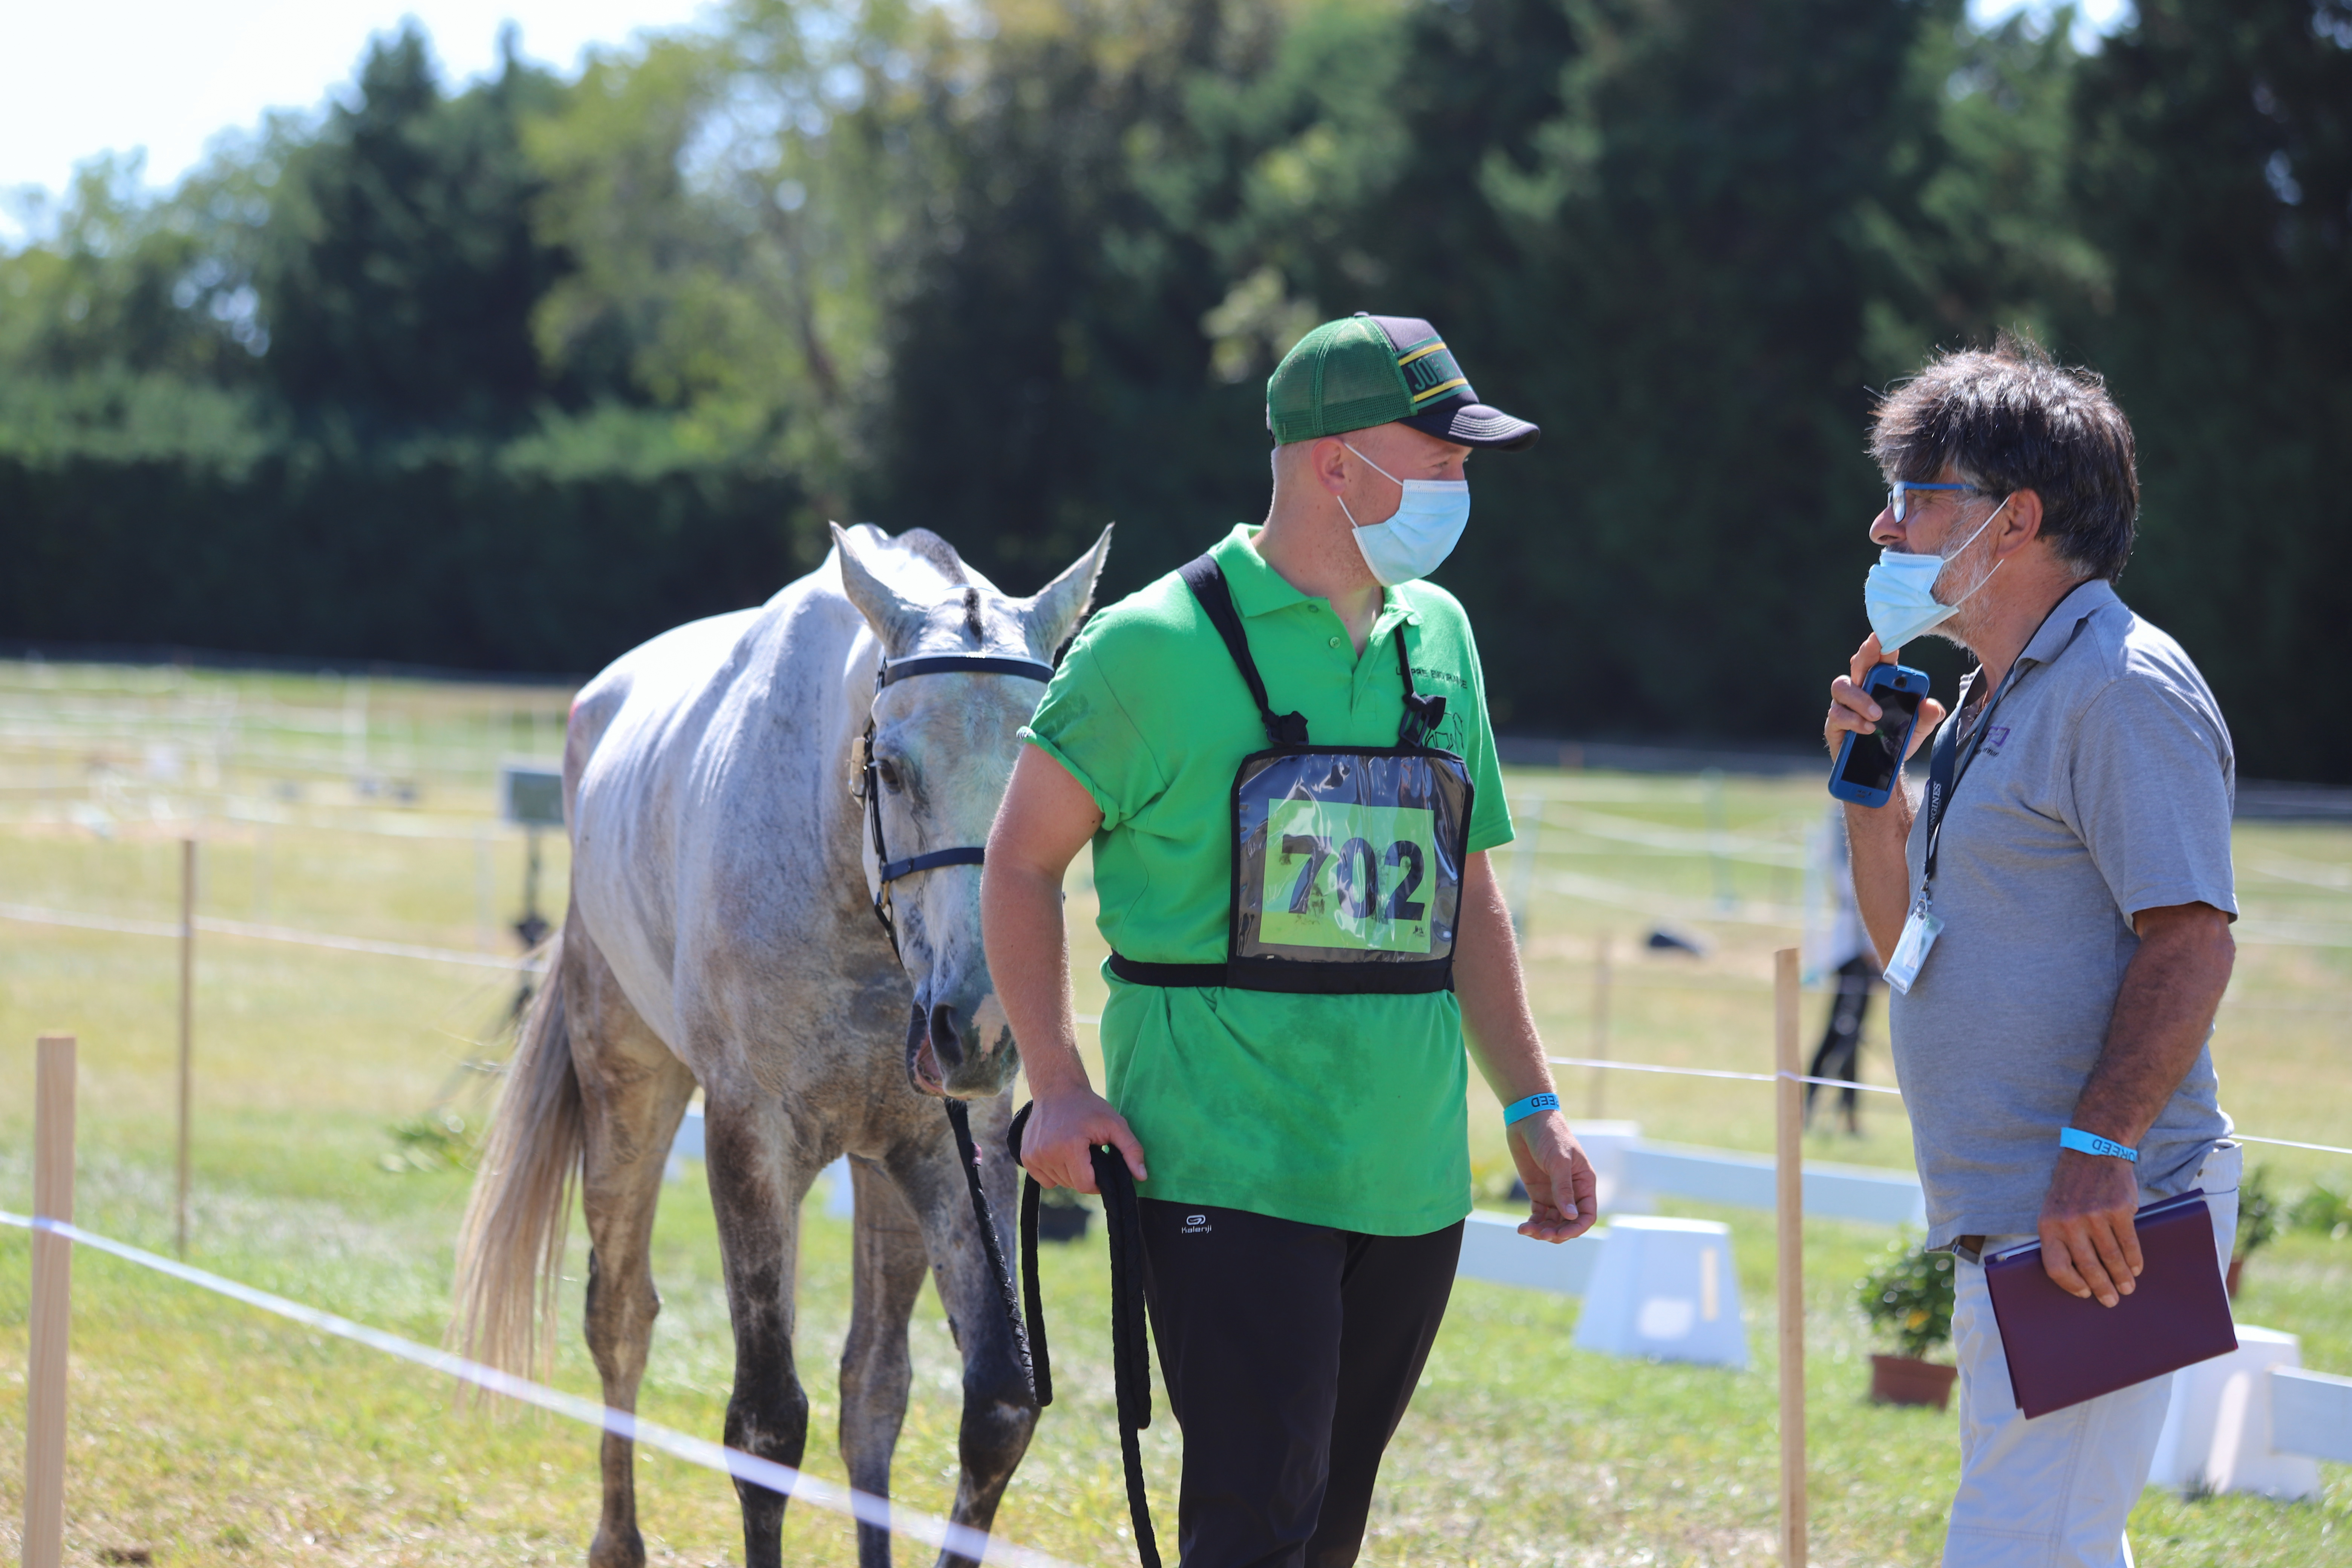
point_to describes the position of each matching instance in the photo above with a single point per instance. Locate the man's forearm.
(1495, 1018)
(2163, 1014)
(1029, 963)
(1876, 840)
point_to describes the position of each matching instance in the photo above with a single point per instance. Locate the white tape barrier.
(863, 1507)
(1865, 1088)
(32, 915)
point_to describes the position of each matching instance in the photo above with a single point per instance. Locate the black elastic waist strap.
(1294, 977)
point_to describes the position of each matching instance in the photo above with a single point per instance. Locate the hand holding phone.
(1868, 764)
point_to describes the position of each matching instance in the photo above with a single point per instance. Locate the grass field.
(204, 1432)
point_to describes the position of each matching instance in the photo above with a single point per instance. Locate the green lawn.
(204, 1431)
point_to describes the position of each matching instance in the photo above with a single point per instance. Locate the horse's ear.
(892, 616)
(1054, 613)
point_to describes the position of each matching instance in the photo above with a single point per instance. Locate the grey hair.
(2011, 418)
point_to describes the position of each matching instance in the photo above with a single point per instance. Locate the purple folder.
(2063, 1350)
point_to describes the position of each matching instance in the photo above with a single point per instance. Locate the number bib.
(1348, 868)
(1346, 860)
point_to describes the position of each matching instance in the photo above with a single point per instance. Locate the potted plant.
(1910, 1294)
(2257, 1221)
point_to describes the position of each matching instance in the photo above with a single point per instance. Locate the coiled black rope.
(1130, 1323)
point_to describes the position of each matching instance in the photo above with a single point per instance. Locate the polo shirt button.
(1335, 642)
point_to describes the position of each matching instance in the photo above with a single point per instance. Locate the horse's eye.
(888, 771)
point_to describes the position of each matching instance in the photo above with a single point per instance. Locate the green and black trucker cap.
(1363, 370)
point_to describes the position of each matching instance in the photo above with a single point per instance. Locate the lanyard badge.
(1944, 772)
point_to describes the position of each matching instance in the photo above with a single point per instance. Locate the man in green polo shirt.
(1300, 1151)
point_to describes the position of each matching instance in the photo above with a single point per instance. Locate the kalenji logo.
(1196, 1225)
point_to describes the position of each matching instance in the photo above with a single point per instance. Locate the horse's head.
(943, 747)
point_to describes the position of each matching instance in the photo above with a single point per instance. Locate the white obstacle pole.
(187, 1030)
(1790, 1175)
(52, 1305)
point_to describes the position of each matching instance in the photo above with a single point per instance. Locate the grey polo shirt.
(2103, 788)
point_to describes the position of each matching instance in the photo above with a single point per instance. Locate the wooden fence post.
(1789, 1170)
(187, 1029)
(52, 1304)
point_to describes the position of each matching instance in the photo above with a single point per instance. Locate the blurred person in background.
(2054, 918)
(1844, 954)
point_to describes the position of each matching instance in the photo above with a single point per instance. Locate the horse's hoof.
(618, 1549)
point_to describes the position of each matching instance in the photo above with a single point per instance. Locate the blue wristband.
(1533, 1103)
(2092, 1143)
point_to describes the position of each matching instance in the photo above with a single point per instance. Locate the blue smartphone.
(1868, 765)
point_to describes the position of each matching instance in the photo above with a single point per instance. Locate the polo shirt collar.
(2081, 603)
(1259, 590)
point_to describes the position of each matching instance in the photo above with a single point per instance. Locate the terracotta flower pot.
(1905, 1379)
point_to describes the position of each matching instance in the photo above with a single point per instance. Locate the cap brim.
(1475, 424)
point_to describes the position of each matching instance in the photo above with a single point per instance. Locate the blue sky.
(82, 77)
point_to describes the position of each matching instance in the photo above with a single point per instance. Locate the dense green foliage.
(1014, 270)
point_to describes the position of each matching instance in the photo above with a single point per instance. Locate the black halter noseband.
(891, 672)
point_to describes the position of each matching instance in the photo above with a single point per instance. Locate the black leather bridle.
(958, 1119)
(891, 672)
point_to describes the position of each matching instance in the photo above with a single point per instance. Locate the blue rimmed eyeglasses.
(1898, 495)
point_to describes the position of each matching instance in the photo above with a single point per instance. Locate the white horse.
(722, 933)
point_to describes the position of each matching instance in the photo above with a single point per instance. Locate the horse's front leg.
(759, 1172)
(999, 1409)
(876, 1371)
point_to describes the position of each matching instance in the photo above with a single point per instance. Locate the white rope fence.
(30, 914)
(1864, 1088)
(863, 1507)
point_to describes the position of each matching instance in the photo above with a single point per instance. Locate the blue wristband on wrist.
(1520, 1110)
(2092, 1143)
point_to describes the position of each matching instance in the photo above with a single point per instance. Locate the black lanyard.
(1945, 771)
(1946, 768)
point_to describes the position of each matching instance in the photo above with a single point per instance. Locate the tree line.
(511, 375)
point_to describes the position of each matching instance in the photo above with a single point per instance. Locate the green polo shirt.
(1340, 1110)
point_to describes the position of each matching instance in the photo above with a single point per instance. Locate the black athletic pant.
(1840, 1055)
(1289, 1353)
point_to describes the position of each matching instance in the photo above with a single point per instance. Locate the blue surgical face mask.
(1900, 592)
(1422, 532)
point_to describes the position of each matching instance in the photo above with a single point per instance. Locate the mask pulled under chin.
(1422, 532)
(1899, 594)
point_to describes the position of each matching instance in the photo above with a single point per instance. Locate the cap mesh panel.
(1341, 377)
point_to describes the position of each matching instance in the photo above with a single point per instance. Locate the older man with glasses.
(2056, 921)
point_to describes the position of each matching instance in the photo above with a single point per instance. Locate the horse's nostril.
(946, 1043)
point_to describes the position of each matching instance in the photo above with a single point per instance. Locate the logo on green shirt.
(1346, 876)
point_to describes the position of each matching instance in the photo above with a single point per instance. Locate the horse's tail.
(510, 1247)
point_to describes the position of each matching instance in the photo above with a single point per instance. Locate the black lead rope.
(1129, 1321)
(968, 1152)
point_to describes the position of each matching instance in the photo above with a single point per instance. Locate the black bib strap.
(1207, 581)
(1294, 977)
(1423, 715)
